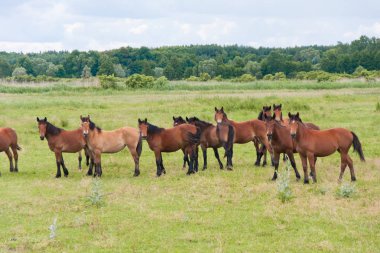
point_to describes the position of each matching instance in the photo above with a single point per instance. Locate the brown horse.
(214, 137)
(246, 131)
(176, 122)
(265, 112)
(8, 141)
(185, 137)
(313, 143)
(99, 141)
(62, 141)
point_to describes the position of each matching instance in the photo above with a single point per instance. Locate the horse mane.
(52, 130)
(261, 114)
(152, 129)
(202, 124)
(93, 126)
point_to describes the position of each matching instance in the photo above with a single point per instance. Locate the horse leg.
(97, 160)
(58, 156)
(304, 167)
(65, 171)
(15, 157)
(185, 160)
(191, 153)
(216, 153)
(204, 152)
(162, 165)
(310, 157)
(10, 157)
(351, 166)
(264, 152)
(276, 162)
(286, 158)
(158, 156)
(88, 155)
(293, 163)
(91, 165)
(343, 165)
(80, 160)
(258, 154)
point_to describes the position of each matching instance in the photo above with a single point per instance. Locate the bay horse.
(62, 141)
(179, 121)
(99, 141)
(8, 142)
(265, 112)
(184, 136)
(281, 142)
(246, 131)
(214, 137)
(312, 143)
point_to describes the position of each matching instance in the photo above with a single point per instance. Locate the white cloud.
(371, 30)
(27, 47)
(212, 32)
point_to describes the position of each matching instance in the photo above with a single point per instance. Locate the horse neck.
(302, 131)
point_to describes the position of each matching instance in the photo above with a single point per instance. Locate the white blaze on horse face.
(219, 120)
(293, 127)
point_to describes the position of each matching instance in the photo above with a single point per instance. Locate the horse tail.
(18, 147)
(194, 138)
(357, 146)
(231, 135)
(139, 146)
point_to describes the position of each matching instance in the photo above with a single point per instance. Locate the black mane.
(93, 126)
(201, 124)
(52, 130)
(152, 129)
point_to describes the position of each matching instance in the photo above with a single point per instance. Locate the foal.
(246, 131)
(62, 141)
(312, 143)
(99, 141)
(185, 137)
(8, 141)
(215, 137)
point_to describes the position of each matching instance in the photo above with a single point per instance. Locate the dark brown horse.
(246, 131)
(313, 143)
(62, 141)
(99, 141)
(265, 112)
(176, 122)
(215, 137)
(185, 137)
(8, 141)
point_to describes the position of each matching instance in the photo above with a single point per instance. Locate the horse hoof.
(298, 179)
(66, 175)
(353, 179)
(137, 173)
(274, 178)
(306, 181)
(57, 176)
(257, 164)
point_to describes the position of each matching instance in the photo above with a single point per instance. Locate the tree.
(86, 72)
(119, 70)
(52, 70)
(106, 65)
(40, 66)
(19, 71)
(26, 63)
(253, 68)
(158, 72)
(5, 68)
(207, 66)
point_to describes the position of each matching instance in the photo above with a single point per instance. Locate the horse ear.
(88, 117)
(173, 118)
(289, 115)
(222, 109)
(45, 119)
(38, 119)
(139, 120)
(146, 120)
(216, 109)
(187, 119)
(81, 117)
(280, 105)
(270, 107)
(298, 115)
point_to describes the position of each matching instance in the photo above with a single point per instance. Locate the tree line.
(183, 62)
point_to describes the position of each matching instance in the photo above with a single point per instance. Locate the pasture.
(211, 211)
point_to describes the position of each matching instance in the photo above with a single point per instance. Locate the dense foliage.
(202, 61)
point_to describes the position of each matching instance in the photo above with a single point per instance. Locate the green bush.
(245, 78)
(192, 79)
(346, 190)
(108, 82)
(218, 78)
(204, 77)
(137, 81)
(161, 82)
(284, 192)
(279, 76)
(268, 77)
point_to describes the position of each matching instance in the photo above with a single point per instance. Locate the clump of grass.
(378, 106)
(96, 198)
(346, 190)
(64, 122)
(284, 192)
(53, 229)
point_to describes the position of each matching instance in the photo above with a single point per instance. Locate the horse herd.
(269, 133)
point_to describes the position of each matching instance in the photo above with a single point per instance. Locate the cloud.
(371, 30)
(213, 31)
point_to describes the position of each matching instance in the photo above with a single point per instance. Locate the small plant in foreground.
(53, 229)
(346, 190)
(283, 187)
(96, 197)
(378, 107)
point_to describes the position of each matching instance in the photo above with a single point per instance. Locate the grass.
(212, 211)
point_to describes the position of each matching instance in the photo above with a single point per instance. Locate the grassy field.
(212, 211)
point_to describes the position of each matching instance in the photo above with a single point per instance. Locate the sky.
(42, 25)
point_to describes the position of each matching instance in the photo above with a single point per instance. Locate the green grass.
(212, 211)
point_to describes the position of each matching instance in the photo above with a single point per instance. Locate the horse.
(185, 137)
(312, 143)
(246, 131)
(99, 141)
(179, 121)
(8, 142)
(62, 141)
(265, 112)
(214, 137)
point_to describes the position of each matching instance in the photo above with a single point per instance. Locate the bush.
(283, 187)
(218, 78)
(346, 190)
(108, 82)
(204, 77)
(245, 78)
(137, 81)
(279, 76)
(192, 79)
(96, 197)
(268, 77)
(161, 82)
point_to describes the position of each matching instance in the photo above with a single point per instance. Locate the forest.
(183, 62)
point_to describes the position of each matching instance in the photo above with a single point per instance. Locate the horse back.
(8, 137)
(70, 141)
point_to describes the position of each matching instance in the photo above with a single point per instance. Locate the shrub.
(96, 198)
(192, 79)
(108, 82)
(218, 78)
(245, 78)
(346, 190)
(53, 229)
(268, 77)
(137, 81)
(283, 187)
(204, 77)
(279, 76)
(161, 82)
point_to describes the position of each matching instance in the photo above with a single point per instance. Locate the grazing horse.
(176, 122)
(246, 131)
(265, 112)
(99, 141)
(185, 137)
(62, 141)
(312, 143)
(214, 137)
(8, 141)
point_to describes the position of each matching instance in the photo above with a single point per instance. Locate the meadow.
(211, 211)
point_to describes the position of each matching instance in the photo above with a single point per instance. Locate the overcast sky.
(41, 25)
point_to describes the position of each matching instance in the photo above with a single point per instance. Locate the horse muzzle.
(293, 136)
(269, 137)
(85, 135)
